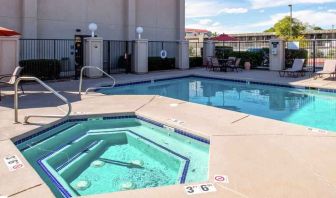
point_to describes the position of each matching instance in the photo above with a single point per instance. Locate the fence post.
(94, 56)
(314, 55)
(182, 58)
(208, 51)
(109, 57)
(140, 56)
(9, 54)
(54, 49)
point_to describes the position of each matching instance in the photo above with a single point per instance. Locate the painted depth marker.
(200, 189)
(221, 179)
(13, 163)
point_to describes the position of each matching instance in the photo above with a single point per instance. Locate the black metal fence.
(155, 52)
(196, 49)
(117, 56)
(315, 52)
(155, 48)
(62, 50)
(243, 46)
(255, 52)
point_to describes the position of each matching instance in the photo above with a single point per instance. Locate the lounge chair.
(328, 68)
(12, 78)
(235, 66)
(295, 71)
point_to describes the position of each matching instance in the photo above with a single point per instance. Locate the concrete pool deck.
(261, 157)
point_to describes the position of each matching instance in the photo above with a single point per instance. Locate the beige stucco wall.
(9, 54)
(10, 14)
(116, 19)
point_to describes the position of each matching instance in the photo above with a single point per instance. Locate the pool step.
(77, 155)
(82, 160)
(70, 129)
(69, 151)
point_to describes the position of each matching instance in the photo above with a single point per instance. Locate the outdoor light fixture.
(93, 27)
(139, 30)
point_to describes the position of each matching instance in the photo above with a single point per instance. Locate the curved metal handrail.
(93, 88)
(16, 100)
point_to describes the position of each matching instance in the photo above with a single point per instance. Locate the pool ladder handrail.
(93, 88)
(16, 100)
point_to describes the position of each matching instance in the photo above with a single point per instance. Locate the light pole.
(291, 20)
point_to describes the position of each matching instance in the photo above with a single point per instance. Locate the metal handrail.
(93, 88)
(16, 100)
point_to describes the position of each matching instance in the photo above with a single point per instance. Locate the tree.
(313, 27)
(214, 34)
(283, 28)
(270, 30)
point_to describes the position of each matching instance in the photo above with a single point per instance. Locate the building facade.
(116, 19)
(265, 36)
(197, 35)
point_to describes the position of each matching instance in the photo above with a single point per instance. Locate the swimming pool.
(311, 108)
(109, 154)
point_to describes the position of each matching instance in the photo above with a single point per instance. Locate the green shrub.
(256, 58)
(45, 69)
(293, 54)
(195, 61)
(126, 64)
(221, 50)
(157, 63)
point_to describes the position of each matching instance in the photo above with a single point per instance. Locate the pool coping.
(77, 119)
(256, 82)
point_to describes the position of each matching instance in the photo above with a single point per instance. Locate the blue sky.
(242, 16)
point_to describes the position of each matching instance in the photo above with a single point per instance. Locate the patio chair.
(208, 65)
(235, 66)
(12, 78)
(216, 65)
(295, 71)
(231, 61)
(328, 68)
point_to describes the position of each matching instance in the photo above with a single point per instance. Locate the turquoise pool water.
(97, 156)
(309, 108)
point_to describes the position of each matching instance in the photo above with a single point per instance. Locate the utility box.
(93, 53)
(277, 54)
(9, 53)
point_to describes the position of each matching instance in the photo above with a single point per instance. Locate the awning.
(224, 37)
(8, 32)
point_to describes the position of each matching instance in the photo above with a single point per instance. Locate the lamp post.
(139, 30)
(93, 27)
(291, 20)
(332, 31)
